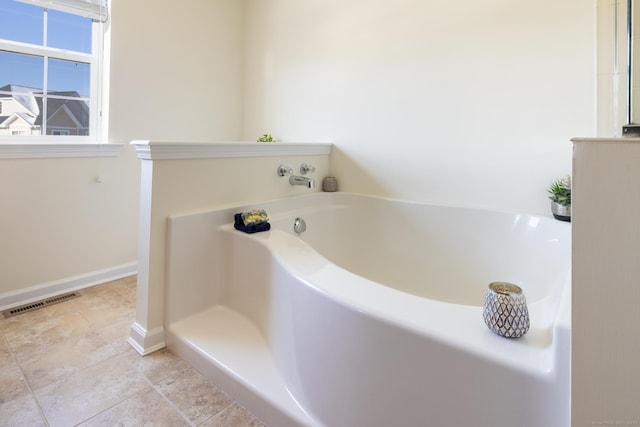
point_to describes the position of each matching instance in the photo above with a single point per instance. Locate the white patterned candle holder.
(505, 310)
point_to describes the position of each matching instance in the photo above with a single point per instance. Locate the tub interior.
(438, 252)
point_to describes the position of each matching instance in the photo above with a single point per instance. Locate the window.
(51, 69)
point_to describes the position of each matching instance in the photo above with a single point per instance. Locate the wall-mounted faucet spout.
(302, 180)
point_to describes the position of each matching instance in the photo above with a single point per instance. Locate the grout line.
(233, 402)
(158, 391)
(38, 405)
(111, 407)
(24, 378)
(173, 405)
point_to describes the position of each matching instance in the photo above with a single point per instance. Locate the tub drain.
(299, 226)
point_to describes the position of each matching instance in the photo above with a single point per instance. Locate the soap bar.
(249, 228)
(254, 216)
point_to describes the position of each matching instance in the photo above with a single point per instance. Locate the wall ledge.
(157, 150)
(69, 150)
(606, 140)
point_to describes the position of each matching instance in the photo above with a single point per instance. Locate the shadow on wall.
(353, 177)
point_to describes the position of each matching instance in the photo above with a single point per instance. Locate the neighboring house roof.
(76, 109)
(5, 121)
(24, 95)
(27, 118)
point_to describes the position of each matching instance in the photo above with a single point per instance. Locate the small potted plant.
(560, 195)
(266, 138)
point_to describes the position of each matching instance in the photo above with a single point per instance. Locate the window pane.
(67, 117)
(19, 69)
(21, 22)
(68, 31)
(41, 93)
(69, 77)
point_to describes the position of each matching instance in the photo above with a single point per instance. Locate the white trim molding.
(35, 293)
(158, 150)
(146, 341)
(43, 150)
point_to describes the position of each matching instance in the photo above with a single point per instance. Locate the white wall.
(176, 70)
(176, 73)
(57, 222)
(470, 102)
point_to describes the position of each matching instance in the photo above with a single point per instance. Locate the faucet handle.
(305, 168)
(284, 170)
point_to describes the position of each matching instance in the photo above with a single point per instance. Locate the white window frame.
(93, 145)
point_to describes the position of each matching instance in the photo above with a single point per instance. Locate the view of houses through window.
(49, 65)
(22, 112)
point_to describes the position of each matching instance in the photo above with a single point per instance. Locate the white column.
(147, 332)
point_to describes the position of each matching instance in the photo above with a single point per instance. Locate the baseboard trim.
(46, 290)
(146, 342)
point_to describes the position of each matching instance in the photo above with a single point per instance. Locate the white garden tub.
(373, 315)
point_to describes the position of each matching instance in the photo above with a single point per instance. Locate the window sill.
(58, 150)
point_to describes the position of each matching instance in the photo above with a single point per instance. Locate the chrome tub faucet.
(302, 180)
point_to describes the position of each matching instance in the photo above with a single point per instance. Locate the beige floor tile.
(70, 362)
(3, 342)
(128, 294)
(45, 365)
(96, 295)
(233, 416)
(19, 412)
(129, 280)
(40, 329)
(12, 382)
(117, 334)
(5, 351)
(89, 392)
(194, 396)
(159, 365)
(147, 408)
(105, 308)
(126, 287)
(100, 319)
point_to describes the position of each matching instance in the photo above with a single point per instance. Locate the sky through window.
(24, 23)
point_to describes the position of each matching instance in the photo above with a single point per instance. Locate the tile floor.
(69, 364)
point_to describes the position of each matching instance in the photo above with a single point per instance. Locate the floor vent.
(39, 304)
